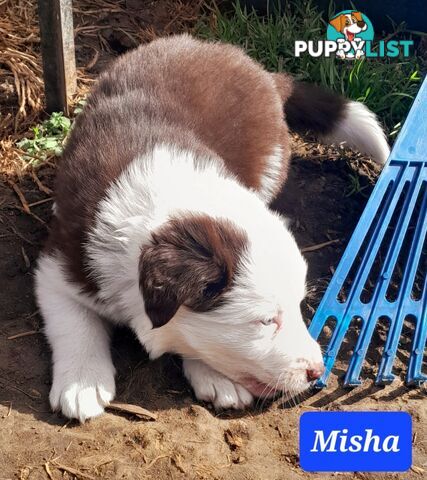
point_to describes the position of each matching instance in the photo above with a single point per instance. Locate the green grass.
(47, 138)
(386, 86)
(354, 185)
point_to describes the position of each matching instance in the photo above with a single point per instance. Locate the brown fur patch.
(191, 261)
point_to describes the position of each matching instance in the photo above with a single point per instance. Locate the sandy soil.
(188, 440)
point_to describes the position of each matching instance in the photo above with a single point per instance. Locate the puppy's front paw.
(82, 395)
(212, 386)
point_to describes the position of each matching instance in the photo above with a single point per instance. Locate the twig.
(33, 397)
(29, 212)
(18, 234)
(23, 334)
(40, 202)
(21, 196)
(49, 473)
(418, 470)
(9, 410)
(65, 425)
(155, 460)
(42, 187)
(94, 60)
(73, 471)
(25, 257)
(313, 248)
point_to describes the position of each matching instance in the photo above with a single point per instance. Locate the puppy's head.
(349, 24)
(230, 296)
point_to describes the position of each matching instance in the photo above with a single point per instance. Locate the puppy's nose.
(315, 371)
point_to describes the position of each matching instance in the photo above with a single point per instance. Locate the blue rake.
(390, 235)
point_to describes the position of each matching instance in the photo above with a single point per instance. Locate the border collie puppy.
(162, 223)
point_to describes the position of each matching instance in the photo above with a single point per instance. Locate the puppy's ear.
(358, 16)
(338, 23)
(190, 261)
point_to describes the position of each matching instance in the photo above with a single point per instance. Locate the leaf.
(132, 409)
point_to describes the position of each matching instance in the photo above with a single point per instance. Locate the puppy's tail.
(332, 118)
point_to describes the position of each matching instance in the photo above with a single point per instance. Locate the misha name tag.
(355, 441)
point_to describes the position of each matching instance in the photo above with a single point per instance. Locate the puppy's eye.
(268, 322)
(347, 22)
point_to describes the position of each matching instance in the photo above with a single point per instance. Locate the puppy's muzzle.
(315, 371)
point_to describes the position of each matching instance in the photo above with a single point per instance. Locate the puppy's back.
(211, 99)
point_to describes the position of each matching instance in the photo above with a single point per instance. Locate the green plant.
(48, 138)
(354, 185)
(386, 86)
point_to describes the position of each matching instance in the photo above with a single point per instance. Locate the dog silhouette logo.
(351, 30)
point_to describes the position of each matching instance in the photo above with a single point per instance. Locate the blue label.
(355, 441)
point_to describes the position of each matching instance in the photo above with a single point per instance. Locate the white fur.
(360, 129)
(83, 372)
(271, 178)
(214, 387)
(224, 346)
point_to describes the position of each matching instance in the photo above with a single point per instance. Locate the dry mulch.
(103, 29)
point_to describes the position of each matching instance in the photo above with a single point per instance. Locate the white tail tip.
(360, 129)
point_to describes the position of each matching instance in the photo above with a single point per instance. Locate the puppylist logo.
(350, 35)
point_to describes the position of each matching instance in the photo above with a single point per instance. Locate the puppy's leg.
(212, 386)
(83, 372)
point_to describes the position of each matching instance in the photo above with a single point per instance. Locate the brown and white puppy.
(162, 223)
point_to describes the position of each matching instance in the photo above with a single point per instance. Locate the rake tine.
(407, 165)
(352, 377)
(405, 302)
(378, 235)
(414, 375)
(333, 348)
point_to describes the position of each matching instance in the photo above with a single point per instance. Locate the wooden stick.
(49, 473)
(42, 187)
(313, 248)
(40, 202)
(21, 197)
(25, 257)
(73, 471)
(57, 45)
(23, 334)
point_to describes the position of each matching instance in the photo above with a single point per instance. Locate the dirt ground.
(188, 440)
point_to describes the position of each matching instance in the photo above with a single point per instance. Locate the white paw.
(212, 386)
(84, 394)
